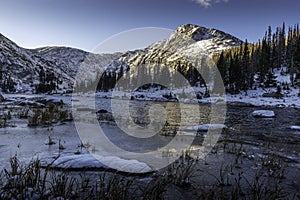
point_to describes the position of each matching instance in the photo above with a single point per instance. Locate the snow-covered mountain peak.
(187, 41)
(193, 31)
(199, 33)
(191, 40)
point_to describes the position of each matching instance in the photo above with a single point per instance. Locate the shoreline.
(239, 100)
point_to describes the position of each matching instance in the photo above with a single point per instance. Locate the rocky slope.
(23, 66)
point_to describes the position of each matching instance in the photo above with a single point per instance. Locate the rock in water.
(263, 114)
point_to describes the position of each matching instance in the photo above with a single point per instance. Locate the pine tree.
(282, 46)
(246, 76)
(264, 60)
(222, 65)
(270, 80)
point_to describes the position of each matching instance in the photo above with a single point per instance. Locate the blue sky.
(85, 23)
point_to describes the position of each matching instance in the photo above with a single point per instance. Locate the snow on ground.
(186, 95)
(251, 97)
(255, 97)
(282, 76)
(206, 46)
(88, 161)
(263, 113)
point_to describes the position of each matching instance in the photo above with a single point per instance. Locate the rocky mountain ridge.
(25, 69)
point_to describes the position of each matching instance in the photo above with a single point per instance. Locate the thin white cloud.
(208, 3)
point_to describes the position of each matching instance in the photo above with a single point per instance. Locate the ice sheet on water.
(88, 161)
(297, 128)
(130, 166)
(206, 127)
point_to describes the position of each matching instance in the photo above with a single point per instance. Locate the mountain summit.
(187, 41)
(198, 33)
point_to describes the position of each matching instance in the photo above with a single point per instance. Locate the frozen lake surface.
(28, 142)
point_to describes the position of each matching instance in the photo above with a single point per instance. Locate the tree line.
(252, 65)
(47, 81)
